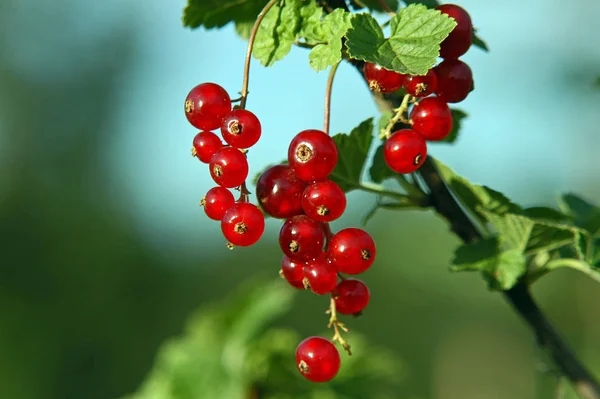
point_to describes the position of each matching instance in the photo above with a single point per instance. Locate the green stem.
(398, 117)
(328, 89)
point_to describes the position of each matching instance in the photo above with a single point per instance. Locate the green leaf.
(218, 13)
(585, 214)
(244, 28)
(379, 170)
(511, 265)
(546, 213)
(513, 230)
(457, 117)
(353, 150)
(374, 5)
(478, 42)
(277, 33)
(428, 3)
(480, 255)
(414, 43)
(334, 27)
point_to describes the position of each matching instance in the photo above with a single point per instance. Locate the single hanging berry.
(455, 81)
(421, 86)
(381, 80)
(279, 192)
(317, 359)
(351, 296)
(405, 151)
(352, 250)
(205, 146)
(320, 275)
(312, 155)
(292, 271)
(217, 201)
(229, 167)
(241, 128)
(243, 224)
(301, 238)
(459, 40)
(324, 201)
(206, 105)
(432, 119)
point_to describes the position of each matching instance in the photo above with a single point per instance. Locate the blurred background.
(104, 251)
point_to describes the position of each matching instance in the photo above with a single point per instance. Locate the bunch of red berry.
(315, 258)
(451, 81)
(208, 107)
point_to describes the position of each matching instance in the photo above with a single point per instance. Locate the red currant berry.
(459, 40)
(351, 296)
(317, 359)
(243, 224)
(301, 238)
(455, 81)
(421, 86)
(229, 167)
(321, 275)
(405, 151)
(352, 250)
(217, 201)
(241, 128)
(292, 272)
(382, 80)
(279, 192)
(432, 119)
(324, 201)
(206, 105)
(205, 146)
(312, 155)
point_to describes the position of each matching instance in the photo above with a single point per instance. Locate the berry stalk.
(328, 89)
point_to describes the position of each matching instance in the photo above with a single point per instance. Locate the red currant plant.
(509, 245)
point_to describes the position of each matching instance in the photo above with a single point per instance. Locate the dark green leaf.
(585, 214)
(218, 13)
(480, 255)
(374, 5)
(457, 117)
(545, 213)
(379, 170)
(413, 47)
(353, 150)
(478, 42)
(428, 3)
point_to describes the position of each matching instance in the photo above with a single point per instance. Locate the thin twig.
(328, 89)
(386, 7)
(337, 326)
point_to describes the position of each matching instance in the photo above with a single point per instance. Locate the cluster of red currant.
(208, 107)
(451, 81)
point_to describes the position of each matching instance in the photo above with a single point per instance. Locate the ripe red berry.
(229, 167)
(455, 81)
(321, 275)
(243, 224)
(292, 272)
(431, 118)
(352, 251)
(405, 151)
(351, 296)
(312, 155)
(459, 40)
(317, 359)
(279, 192)
(421, 86)
(241, 128)
(205, 146)
(206, 105)
(324, 201)
(217, 201)
(301, 238)
(382, 80)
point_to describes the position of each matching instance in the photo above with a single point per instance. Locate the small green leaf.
(510, 267)
(585, 214)
(480, 255)
(379, 170)
(478, 42)
(457, 117)
(546, 213)
(353, 150)
(414, 43)
(244, 28)
(277, 33)
(428, 3)
(218, 13)
(513, 230)
(334, 27)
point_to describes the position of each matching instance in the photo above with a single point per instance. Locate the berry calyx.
(351, 296)
(241, 128)
(432, 119)
(312, 155)
(292, 271)
(243, 224)
(217, 201)
(301, 238)
(405, 151)
(229, 167)
(455, 81)
(206, 105)
(421, 86)
(317, 359)
(382, 80)
(321, 275)
(324, 201)
(279, 192)
(352, 250)
(460, 39)
(205, 145)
